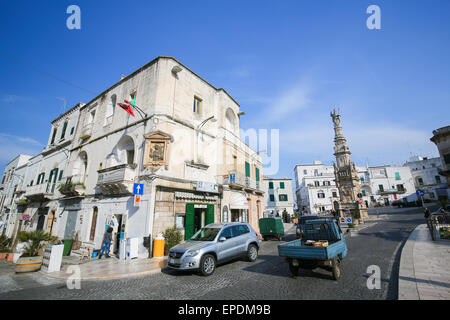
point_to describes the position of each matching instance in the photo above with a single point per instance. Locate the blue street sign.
(348, 220)
(138, 188)
(420, 193)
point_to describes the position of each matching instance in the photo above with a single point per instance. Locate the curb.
(407, 285)
(157, 269)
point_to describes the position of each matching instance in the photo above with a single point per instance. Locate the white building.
(278, 196)
(425, 173)
(381, 185)
(184, 147)
(10, 187)
(315, 187)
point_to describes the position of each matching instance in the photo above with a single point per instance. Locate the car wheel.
(207, 265)
(293, 269)
(336, 270)
(252, 253)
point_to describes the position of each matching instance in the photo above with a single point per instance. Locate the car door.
(240, 240)
(225, 248)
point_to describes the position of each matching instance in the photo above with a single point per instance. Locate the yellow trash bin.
(158, 246)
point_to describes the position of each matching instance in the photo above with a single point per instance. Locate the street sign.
(345, 220)
(138, 188)
(26, 217)
(360, 195)
(420, 193)
(137, 200)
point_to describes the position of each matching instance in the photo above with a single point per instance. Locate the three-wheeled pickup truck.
(322, 245)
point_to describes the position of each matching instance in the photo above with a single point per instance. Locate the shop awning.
(238, 201)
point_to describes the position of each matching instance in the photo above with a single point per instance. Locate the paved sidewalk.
(111, 268)
(424, 267)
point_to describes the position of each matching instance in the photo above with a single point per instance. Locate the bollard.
(158, 246)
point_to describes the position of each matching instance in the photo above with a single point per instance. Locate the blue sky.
(287, 63)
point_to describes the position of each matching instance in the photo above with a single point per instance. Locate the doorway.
(50, 222)
(235, 215)
(197, 216)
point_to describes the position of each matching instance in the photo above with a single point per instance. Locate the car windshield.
(206, 234)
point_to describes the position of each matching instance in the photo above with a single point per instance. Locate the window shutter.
(209, 214)
(64, 130)
(257, 174)
(189, 230)
(53, 136)
(281, 185)
(272, 197)
(270, 185)
(247, 169)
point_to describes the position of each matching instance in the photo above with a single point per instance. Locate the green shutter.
(209, 214)
(257, 174)
(71, 130)
(397, 176)
(60, 175)
(281, 185)
(270, 185)
(64, 130)
(272, 197)
(189, 230)
(247, 169)
(53, 136)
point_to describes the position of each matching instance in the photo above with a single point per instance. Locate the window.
(247, 169)
(363, 192)
(3, 180)
(321, 195)
(60, 175)
(240, 230)
(305, 171)
(380, 186)
(257, 174)
(226, 233)
(40, 178)
(438, 179)
(361, 179)
(283, 197)
(53, 136)
(197, 105)
(397, 176)
(270, 185)
(72, 130)
(400, 187)
(63, 133)
(317, 183)
(326, 183)
(446, 158)
(272, 197)
(334, 194)
(316, 172)
(281, 185)
(420, 181)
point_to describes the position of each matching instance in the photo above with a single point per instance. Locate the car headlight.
(192, 253)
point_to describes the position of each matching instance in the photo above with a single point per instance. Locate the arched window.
(125, 150)
(110, 108)
(230, 120)
(80, 167)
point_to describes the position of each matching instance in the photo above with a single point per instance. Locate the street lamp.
(198, 130)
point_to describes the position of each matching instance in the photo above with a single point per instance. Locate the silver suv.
(215, 244)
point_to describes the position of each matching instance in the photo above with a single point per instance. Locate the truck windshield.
(206, 234)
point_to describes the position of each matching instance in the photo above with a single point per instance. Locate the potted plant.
(172, 237)
(35, 241)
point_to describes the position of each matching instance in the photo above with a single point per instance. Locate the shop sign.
(200, 206)
(193, 196)
(207, 186)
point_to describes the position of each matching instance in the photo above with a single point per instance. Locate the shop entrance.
(197, 216)
(118, 223)
(235, 215)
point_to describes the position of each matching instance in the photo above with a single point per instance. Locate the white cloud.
(11, 146)
(379, 144)
(9, 98)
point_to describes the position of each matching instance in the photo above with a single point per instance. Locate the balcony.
(239, 180)
(86, 131)
(117, 180)
(40, 192)
(391, 191)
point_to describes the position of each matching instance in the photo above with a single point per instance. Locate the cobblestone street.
(378, 242)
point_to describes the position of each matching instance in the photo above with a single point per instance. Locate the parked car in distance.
(446, 209)
(215, 244)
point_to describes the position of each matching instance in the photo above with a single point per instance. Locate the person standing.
(106, 243)
(427, 213)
